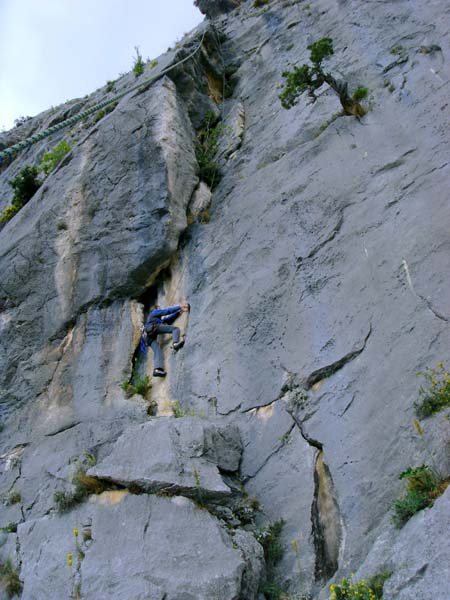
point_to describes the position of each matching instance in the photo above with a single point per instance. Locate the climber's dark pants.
(158, 362)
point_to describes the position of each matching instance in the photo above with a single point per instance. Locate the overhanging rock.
(214, 8)
(177, 456)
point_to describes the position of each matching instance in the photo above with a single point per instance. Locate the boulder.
(174, 455)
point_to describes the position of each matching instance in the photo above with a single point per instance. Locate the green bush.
(139, 385)
(51, 159)
(346, 589)
(436, 395)
(269, 538)
(25, 185)
(258, 3)
(138, 66)
(309, 78)
(206, 150)
(424, 485)
(10, 579)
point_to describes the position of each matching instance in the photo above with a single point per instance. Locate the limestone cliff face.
(317, 272)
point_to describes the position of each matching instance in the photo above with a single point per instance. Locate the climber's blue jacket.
(159, 316)
(162, 315)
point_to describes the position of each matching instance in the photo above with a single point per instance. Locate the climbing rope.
(12, 151)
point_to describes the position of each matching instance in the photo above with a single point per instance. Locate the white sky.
(55, 50)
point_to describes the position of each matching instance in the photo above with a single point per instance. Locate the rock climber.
(158, 321)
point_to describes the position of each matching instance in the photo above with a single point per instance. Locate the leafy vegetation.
(14, 497)
(424, 485)
(139, 385)
(177, 411)
(10, 528)
(269, 538)
(105, 111)
(436, 395)
(25, 185)
(346, 589)
(84, 486)
(51, 159)
(138, 66)
(258, 3)
(309, 78)
(10, 578)
(206, 150)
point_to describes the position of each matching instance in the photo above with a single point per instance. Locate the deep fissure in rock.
(326, 522)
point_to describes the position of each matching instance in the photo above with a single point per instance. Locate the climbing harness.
(12, 151)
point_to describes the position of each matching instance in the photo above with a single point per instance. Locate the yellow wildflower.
(75, 531)
(70, 559)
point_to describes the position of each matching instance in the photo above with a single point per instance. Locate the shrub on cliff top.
(138, 67)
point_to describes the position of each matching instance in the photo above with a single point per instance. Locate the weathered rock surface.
(417, 557)
(142, 547)
(318, 280)
(171, 455)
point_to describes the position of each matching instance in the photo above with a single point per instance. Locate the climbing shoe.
(177, 345)
(159, 373)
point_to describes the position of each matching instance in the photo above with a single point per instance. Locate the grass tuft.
(424, 485)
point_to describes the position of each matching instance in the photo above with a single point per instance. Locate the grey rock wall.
(317, 275)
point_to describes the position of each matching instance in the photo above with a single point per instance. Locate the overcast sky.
(55, 50)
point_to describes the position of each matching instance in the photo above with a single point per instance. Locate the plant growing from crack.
(9, 577)
(25, 185)
(424, 485)
(10, 528)
(139, 385)
(435, 396)
(75, 570)
(269, 538)
(206, 150)
(83, 486)
(138, 66)
(177, 411)
(371, 589)
(14, 497)
(309, 78)
(51, 159)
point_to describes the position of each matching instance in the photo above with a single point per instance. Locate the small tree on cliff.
(307, 78)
